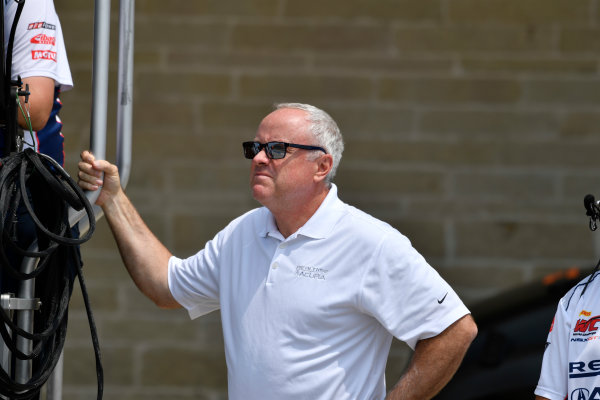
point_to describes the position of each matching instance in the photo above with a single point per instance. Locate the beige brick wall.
(470, 125)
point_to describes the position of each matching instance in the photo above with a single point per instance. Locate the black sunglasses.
(274, 150)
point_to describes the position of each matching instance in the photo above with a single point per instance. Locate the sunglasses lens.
(274, 150)
(251, 149)
(277, 150)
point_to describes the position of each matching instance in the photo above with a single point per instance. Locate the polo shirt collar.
(318, 226)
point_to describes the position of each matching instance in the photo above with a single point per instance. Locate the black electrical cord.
(38, 184)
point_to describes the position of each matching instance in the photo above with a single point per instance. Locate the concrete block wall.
(470, 125)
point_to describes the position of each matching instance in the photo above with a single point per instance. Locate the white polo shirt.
(571, 364)
(312, 316)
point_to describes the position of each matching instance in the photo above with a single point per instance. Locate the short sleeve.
(194, 281)
(38, 48)
(406, 295)
(553, 377)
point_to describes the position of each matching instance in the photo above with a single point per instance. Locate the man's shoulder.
(364, 221)
(249, 220)
(362, 227)
(347, 216)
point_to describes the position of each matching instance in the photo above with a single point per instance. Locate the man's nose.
(261, 157)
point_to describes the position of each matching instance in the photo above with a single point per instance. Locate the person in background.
(571, 363)
(40, 59)
(311, 290)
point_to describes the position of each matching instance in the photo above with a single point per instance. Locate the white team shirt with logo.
(312, 316)
(39, 48)
(571, 364)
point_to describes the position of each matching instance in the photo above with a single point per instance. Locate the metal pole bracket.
(9, 302)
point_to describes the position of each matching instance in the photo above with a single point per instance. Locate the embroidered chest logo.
(587, 325)
(586, 329)
(311, 272)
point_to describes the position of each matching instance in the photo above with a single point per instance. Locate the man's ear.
(324, 165)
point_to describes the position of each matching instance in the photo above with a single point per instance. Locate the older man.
(311, 290)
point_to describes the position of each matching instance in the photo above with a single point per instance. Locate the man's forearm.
(145, 257)
(434, 362)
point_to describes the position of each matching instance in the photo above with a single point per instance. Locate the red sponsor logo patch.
(43, 39)
(43, 55)
(587, 325)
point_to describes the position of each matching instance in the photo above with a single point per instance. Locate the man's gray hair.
(325, 130)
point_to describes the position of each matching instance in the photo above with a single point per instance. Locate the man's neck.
(289, 218)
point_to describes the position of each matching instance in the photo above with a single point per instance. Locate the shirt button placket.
(275, 264)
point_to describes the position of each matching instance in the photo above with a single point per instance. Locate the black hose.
(36, 183)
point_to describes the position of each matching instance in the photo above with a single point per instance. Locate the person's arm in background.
(41, 100)
(39, 57)
(554, 371)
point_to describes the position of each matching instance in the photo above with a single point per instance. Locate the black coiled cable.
(37, 183)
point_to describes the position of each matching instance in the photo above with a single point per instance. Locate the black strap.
(11, 39)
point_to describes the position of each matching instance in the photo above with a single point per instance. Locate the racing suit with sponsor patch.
(571, 364)
(39, 50)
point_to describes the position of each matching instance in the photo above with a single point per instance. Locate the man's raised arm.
(145, 257)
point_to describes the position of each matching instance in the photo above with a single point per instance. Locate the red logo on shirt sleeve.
(43, 55)
(43, 39)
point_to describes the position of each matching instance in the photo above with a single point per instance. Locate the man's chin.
(260, 193)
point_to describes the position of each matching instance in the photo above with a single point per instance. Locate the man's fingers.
(95, 174)
(90, 178)
(85, 166)
(87, 186)
(105, 166)
(97, 167)
(87, 156)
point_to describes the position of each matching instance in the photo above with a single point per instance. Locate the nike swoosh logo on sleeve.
(443, 298)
